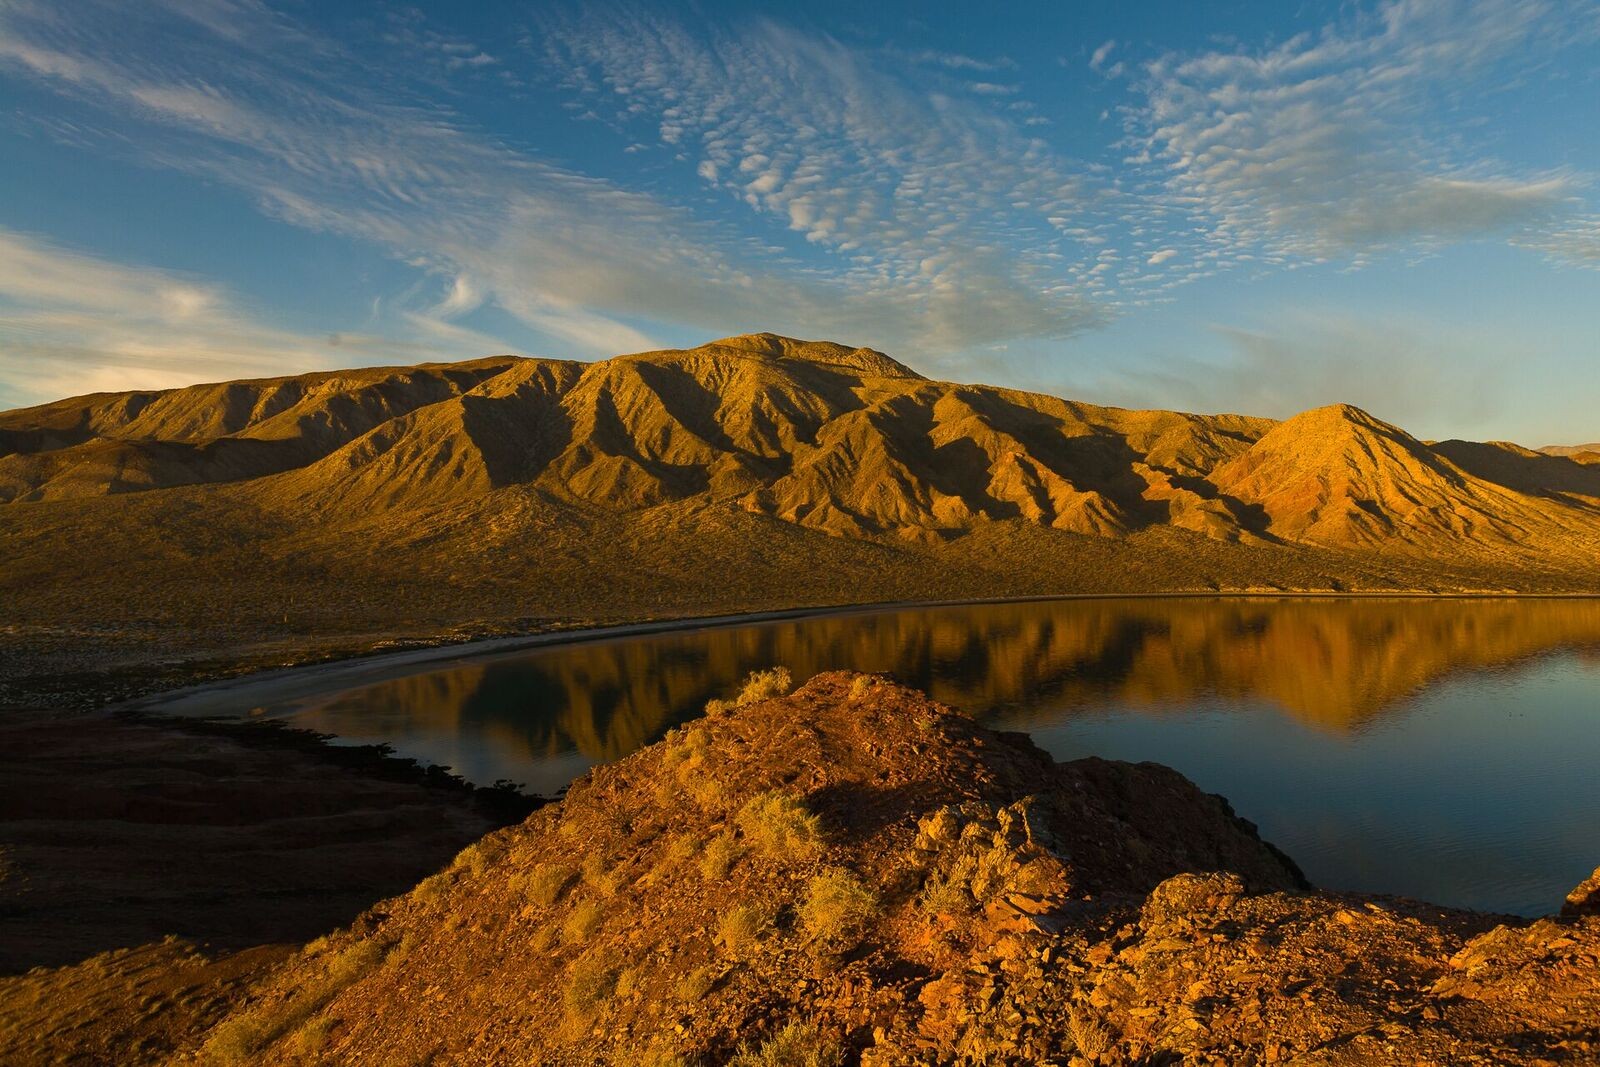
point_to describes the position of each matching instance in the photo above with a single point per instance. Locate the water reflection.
(1335, 665)
(1441, 749)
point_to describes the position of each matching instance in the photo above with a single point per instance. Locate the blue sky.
(1256, 207)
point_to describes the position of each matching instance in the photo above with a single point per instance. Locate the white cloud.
(74, 323)
(1101, 54)
(1333, 145)
(1161, 256)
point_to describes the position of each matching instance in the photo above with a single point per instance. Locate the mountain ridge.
(844, 440)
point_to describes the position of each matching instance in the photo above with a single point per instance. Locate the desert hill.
(751, 472)
(847, 441)
(855, 873)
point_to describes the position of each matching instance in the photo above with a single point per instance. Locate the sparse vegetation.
(477, 856)
(837, 907)
(688, 761)
(741, 928)
(861, 686)
(582, 923)
(721, 853)
(1090, 1035)
(658, 1053)
(544, 883)
(781, 826)
(944, 896)
(796, 1045)
(760, 685)
(242, 1037)
(591, 983)
(696, 984)
(599, 875)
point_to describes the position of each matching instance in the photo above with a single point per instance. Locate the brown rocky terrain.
(150, 872)
(145, 535)
(855, 873)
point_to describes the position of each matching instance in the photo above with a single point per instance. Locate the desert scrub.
(477, 856)
(944, 896)
(780, 825)
(659, 1053)
(591, 983)
(721, 853)
(741, 928)
(433, 887)
(760, 685)
(696, 984)
(796, 1045)
(583, 922)
(689, 765)
(241, 1038)
(1090, 1036)
(837, 908)
(543, 884)
(598, 875)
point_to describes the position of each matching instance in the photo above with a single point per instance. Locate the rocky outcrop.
(859, 874)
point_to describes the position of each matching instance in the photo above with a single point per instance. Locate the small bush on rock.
(837, 908)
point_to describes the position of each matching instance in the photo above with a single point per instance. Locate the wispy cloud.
(1333, 146)
(934, 204)
(76, 323)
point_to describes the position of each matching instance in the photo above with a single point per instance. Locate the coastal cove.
(1437, 748)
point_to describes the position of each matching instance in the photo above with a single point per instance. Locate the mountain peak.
(774, 346)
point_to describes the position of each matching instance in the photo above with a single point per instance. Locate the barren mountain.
(1581, 453)
(753, 471)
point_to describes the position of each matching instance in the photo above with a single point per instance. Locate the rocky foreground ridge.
(853, 873)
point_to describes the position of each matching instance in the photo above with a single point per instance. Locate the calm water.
(1446, 750)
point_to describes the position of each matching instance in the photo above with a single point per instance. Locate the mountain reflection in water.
(1334, 664)
(1441, 749)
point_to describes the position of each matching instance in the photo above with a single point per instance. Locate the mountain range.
(752, 471)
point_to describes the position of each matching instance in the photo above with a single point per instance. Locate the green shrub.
(796, 1045)
(780, 826)
(837, 908)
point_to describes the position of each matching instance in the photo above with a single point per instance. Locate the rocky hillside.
(846, 441)
(856, 874)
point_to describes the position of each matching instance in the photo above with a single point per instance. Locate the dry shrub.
(543, 884)
(598, 876)
(696, 984)
(591, 983)
(242, 1037)
(796, 1045)
(658, 1053)
(861, 685)
(433, 887)
(837, 908)
(1092, 1037)
(583, 922)
(780, 825)
(480, 854)
(689, 765)
(944, 896)
(721, 853)
(760, 685)
(740, 930)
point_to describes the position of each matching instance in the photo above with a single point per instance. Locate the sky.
(1252, 207)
